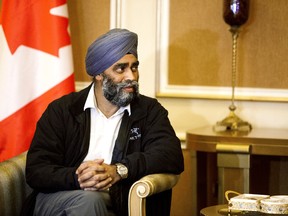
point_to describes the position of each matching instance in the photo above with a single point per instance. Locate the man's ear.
(98, 77)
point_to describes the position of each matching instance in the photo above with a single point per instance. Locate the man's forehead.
(127, 59)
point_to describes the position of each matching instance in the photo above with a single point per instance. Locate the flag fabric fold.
(36, 67)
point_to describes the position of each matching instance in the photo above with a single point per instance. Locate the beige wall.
(200, 45)
(190, 113)
(90, 18)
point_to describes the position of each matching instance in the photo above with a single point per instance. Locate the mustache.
(114, 92)
(128, 83)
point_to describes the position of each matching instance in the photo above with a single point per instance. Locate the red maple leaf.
(30, 23)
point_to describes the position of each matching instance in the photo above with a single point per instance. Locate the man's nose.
(131, 75)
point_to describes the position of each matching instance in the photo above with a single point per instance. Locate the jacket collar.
(79, 101)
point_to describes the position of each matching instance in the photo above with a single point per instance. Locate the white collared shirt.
(104, 131)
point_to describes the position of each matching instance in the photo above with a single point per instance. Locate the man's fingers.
(105, 184)
(91, 165)
(92, 180)
(86, 176)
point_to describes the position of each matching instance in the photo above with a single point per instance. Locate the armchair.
(13, 188)
(147, 186)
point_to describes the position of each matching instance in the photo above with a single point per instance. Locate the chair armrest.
(13, 188)
(147, 186)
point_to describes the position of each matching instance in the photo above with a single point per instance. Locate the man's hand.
(96, 175)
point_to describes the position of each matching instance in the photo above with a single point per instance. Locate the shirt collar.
(90, 99)
(92, 103)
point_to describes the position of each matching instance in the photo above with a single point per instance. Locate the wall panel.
(88, 19)
(200, 45)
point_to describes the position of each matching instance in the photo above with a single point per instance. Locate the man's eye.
(120, 69)
(134, 68)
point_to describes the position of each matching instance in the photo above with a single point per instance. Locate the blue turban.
(109, 48)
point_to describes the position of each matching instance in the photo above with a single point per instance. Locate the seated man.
(91, 146)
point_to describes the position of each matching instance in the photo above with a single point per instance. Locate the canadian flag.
(35, 67)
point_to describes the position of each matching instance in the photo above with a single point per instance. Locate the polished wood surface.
(266, 157)
(181, 204)
(213, 210)
(263, 141)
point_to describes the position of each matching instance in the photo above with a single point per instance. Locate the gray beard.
(114, 93)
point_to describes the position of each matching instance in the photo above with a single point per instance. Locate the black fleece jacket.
(146, 144)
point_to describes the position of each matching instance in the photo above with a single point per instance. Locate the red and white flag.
(35, 67)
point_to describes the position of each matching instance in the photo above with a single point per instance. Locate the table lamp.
(235, 14)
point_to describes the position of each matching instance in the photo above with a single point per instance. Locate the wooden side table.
(212, 210)
(243, 162)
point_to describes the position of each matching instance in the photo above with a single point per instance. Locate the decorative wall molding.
(165, 89)
(115, 13)
(81, 85)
